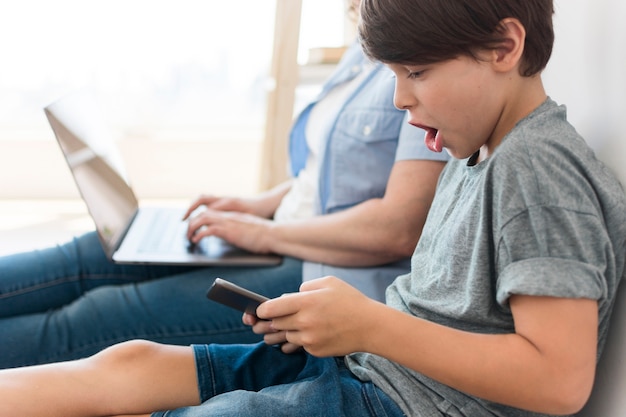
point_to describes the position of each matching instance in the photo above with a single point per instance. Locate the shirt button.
(367, 130)
(355, 69)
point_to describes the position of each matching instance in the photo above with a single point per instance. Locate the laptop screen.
(95, 165)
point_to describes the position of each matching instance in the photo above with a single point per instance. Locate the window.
(166, 72)
(181, 65)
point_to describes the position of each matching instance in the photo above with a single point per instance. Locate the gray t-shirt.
(541, 216)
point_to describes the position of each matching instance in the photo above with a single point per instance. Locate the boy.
(505, 310)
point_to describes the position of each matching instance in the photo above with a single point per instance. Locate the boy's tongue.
(433, 140)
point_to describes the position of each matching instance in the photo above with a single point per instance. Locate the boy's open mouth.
(433, 139)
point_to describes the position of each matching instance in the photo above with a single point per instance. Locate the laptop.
(129, 234)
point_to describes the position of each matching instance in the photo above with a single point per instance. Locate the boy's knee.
(133, 351)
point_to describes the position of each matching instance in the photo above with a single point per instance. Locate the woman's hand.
(243, 230)
(263, 205)
(241, 205)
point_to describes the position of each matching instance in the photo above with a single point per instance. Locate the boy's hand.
(327, 317)
(272, 337)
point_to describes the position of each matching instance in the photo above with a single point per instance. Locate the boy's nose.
(402, 98)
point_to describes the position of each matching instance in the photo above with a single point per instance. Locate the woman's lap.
(109, 303)
(36, 281)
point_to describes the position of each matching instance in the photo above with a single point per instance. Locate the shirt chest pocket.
(370, 125)
(360, 156)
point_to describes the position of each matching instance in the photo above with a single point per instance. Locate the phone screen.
(234, 296)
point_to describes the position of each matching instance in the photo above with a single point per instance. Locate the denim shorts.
(261, 381)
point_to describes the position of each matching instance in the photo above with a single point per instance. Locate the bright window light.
(155, 65)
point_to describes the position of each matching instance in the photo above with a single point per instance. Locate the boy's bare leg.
(132, 378)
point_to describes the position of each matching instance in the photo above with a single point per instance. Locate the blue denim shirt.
(367, 137)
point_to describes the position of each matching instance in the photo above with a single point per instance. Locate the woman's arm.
(374, 232)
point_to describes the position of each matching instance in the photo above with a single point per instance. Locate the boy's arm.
(547, 365)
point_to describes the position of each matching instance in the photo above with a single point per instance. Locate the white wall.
(587, 73)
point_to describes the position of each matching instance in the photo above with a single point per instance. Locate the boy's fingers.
(263, 327)
(290, 347)
(278, 307)
(276, 338)
(249, 319)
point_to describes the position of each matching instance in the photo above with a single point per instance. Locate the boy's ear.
(508, 54)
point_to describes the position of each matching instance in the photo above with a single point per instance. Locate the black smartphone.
(234, 296)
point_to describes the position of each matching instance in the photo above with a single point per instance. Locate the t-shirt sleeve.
(553, 251)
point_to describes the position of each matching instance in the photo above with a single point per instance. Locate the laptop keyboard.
(167, 234)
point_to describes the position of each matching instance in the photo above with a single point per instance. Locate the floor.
(31, 224)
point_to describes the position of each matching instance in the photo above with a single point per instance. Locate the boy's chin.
(459, 154)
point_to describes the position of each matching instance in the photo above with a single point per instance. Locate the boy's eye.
(414, 74)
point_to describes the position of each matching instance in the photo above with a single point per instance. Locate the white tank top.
(299, 202)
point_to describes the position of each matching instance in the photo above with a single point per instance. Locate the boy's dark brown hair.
(424, 32)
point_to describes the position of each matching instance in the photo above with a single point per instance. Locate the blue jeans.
(69, 302)
(259, 380)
